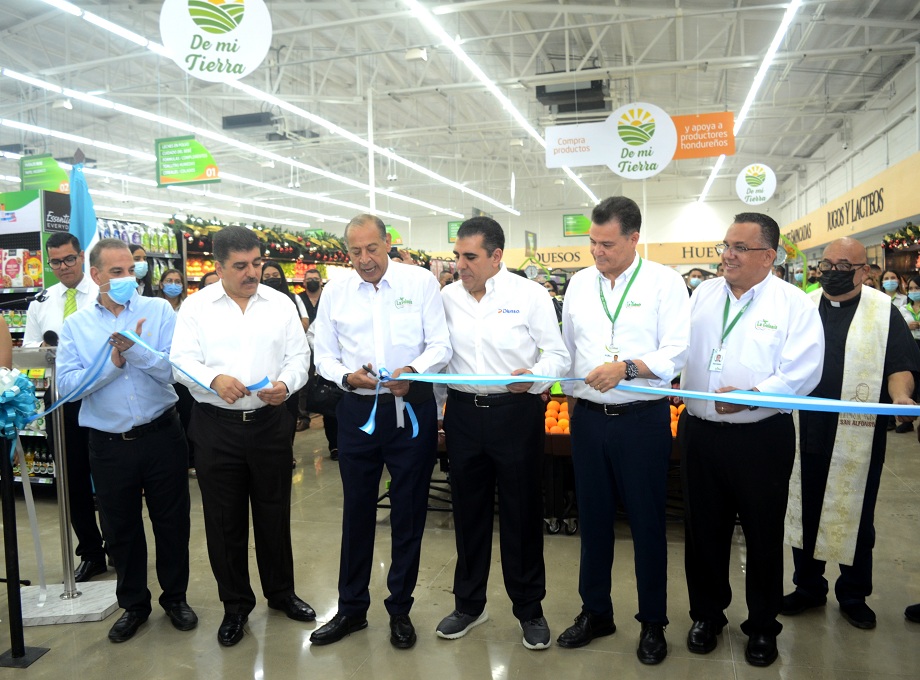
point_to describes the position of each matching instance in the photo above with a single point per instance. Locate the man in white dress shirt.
(384, 315)
(44, 322)
(624, 319)
(503, 324)
(749, 331)
(230, 336)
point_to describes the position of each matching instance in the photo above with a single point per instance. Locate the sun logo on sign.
(755, 176)
(216, 16)
(636, 127)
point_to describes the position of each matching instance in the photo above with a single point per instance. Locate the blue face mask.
(695, 281)
(140, 269)
(914, 295)
(798, 277)
(890, 286)
(172, 290)
(121, 290)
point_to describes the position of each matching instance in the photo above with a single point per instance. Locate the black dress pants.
(728, 471)
(151, 469)
(500, 443)
(410, 463)
(241, 464)
(623, 457)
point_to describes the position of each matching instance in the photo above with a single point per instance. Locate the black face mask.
(312, 286)
(273, 283)
(812, 279)
(837, 283)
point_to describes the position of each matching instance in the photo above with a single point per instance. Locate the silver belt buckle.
(476, 401)
(125, 437)
(248, 416)
(608, 413)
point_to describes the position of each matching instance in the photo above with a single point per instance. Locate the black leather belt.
(382, 398)
(487, 400)
(154, 425)
(618, 409)
(235, 416)
(726, 425)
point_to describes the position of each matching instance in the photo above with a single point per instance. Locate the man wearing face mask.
(137, 445)
(694, 278)
(869, 356)
(814, 283)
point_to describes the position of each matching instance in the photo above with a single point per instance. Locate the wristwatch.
(632, 371)
(345, 384)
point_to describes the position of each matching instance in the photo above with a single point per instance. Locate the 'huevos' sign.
(216, 40)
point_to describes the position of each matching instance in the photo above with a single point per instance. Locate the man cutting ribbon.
(382, 315)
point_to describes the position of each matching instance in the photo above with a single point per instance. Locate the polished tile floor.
(818, 644)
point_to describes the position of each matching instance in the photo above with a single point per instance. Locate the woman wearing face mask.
(145, 285)
(694, 278)
(172, 287)
(911, 313)
(891, 284)
(273, 277)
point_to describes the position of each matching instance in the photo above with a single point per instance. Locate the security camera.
(846, 145)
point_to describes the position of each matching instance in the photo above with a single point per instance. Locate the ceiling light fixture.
(453, 44)
(755, 86)
(62, 104)
(328, 125)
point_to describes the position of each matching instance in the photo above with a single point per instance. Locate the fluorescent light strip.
(328, 125)
(196, 208)
(10, 178)
(129, 211)
(86, 141)
(207, 134)
(428, 21)
(350, 136)
(755, 87)
(249, 201)
(11, 156)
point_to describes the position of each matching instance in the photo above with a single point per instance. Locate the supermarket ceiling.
(335, 66)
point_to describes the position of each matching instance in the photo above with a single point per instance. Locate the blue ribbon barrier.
(371, 425)
(786, 402)
(17, 403)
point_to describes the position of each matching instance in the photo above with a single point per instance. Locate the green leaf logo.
(216, 16)
(755, 176)
(636, 127)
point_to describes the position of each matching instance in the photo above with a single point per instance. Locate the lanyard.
(600, 288)
(726, 331)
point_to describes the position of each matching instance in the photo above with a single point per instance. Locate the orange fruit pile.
(675, 415)
(557, 417)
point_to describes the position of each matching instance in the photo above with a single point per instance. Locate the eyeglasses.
(737, 250)
(826, 266)
(70, 261)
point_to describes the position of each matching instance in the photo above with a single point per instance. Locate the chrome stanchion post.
(60, 469)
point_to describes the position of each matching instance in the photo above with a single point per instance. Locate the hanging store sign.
(575, 225)
(704, 135)
(43, 172)
(636, 141)
(396, 238)
(452, 229)
(755, 184)
(216, 40)
(184, 160)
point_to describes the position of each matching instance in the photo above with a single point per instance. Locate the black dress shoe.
(125, 628)
(797, 602)
(86, 570)
(652, 647)
(231, 629)
(340, 626)
(587, 626)
(859, 614)
(294, 608)
(181, 615)
(761, 650)
(702, 637)
(402, 632)
(912, 613)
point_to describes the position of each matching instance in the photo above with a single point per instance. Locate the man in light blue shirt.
(137, 447)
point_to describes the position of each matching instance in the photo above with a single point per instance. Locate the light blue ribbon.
(371, 425)
(92, 374)
(786, 402)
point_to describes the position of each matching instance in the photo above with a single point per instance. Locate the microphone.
(50, 338)
(40, 296)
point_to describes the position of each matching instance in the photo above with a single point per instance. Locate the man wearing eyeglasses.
(43, 326)
(869, 356)
(749, 331)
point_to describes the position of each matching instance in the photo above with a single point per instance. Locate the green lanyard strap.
(600, 288)
(726, 331)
